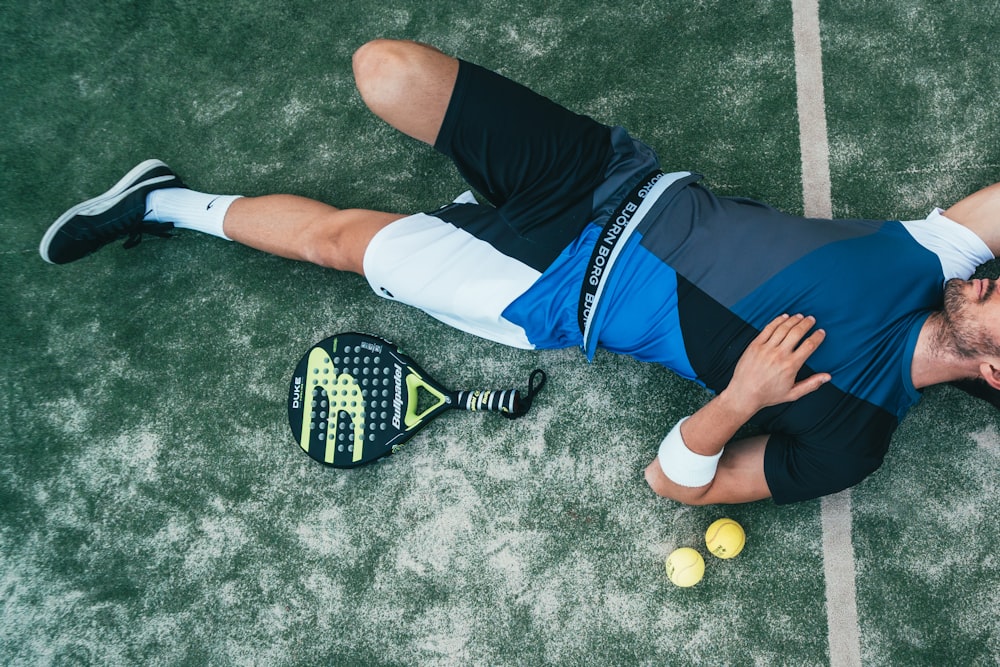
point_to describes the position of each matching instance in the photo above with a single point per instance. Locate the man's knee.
(406, 84)
(383, 69)
(340, 239)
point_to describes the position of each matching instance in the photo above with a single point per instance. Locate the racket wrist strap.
(536, 381)
(681, 465)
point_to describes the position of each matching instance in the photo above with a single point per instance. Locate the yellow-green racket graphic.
(355, 398)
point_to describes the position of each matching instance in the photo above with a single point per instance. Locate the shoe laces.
(159, 229)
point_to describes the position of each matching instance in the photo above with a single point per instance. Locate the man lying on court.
(585, 243)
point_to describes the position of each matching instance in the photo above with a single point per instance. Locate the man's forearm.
(689, 455)
(708, 430)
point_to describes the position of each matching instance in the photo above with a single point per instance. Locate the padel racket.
(355, 398)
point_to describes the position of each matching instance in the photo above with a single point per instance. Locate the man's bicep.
(980, 212)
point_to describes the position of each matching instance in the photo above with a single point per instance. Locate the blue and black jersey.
(704, 274)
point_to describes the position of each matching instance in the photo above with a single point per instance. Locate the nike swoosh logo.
(211, 203)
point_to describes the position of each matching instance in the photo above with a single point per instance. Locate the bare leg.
(305, 229)
(406, 84)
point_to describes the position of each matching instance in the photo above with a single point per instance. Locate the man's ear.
(990, 373)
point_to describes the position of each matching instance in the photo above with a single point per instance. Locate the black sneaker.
(117, 213)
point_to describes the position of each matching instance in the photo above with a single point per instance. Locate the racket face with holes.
(353, 400)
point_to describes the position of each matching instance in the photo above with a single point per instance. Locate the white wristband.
(681, 465)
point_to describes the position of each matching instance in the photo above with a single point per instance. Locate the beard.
(960, 333)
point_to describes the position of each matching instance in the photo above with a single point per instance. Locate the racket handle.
(507, 401)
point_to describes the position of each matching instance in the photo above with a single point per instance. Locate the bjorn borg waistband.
(619, 227)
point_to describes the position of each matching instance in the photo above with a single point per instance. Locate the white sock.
(188, 209)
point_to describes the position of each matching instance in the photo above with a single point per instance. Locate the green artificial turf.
(153, 507)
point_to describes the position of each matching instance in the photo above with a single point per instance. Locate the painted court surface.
(153, 509)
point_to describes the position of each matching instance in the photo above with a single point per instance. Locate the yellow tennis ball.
(725, 538)
(685, 567)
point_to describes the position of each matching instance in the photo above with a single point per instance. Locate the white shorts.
(453, 276)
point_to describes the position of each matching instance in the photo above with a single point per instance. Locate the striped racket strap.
(510, 402)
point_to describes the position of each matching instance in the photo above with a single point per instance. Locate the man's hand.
(765, 374)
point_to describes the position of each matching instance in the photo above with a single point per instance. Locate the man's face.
(972, 318)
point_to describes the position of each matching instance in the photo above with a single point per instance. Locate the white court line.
(838, 550)
(812, 109)
(838, 566)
